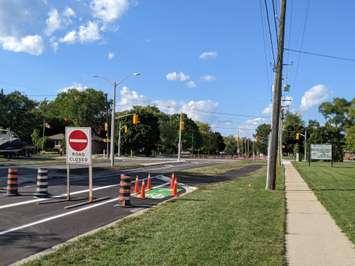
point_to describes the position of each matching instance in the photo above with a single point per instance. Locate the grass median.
(335, 188)
(229, 223)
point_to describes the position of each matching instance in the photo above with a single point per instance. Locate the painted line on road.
(54, 197)
(62, 215)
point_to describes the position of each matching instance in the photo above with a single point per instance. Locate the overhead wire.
(269, 28)
(348, 59)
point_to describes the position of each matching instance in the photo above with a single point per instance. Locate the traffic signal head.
(182, 124)
(125, 129)
(297, 136)
(106, 127)
(136, 119)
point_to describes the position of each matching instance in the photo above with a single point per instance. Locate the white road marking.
(62, 215)
(54, 197)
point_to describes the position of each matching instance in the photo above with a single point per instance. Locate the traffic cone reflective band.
(172, 180)
(124, 191)
(12, 186)
(42, 183)
(149, 183)
(174, 190)
(136, 186)
(142, 195)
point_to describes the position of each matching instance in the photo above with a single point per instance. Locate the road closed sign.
(78, 144)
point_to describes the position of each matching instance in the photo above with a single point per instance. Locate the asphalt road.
(28, 225)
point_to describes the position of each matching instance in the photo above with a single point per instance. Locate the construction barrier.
(124, 191)
(142, 194)
(12, 185)
(136, 186)
(174, 188)
(42, 184)
(149, 183)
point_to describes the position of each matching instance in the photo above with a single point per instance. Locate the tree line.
(338, 130)
(157, 132)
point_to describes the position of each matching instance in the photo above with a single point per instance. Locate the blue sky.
(200, 57)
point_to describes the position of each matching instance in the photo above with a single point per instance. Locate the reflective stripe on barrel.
(42, 183)
(12, 185)
(124, 191)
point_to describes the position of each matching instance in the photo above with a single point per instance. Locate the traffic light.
(106, 127)
(182, 124)
(136, 119)
(297, 136)
(125, 129)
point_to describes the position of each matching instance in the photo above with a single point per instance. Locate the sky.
(210, 59)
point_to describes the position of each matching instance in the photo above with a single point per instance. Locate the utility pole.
(305, 144)
(179, 144)
(276, 101)
(119, 139)
(106, 127)
(112, 143)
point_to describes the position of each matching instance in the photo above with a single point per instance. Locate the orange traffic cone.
(136, 186)
(149, 183)
(142, 194)
(174, 190)
(172, 180)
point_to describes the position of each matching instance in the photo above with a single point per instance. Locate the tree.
(18, 113)
(144, 137)
(292, 125)
(262, 136)
(337, 112)
(81, 108)
(231, 145)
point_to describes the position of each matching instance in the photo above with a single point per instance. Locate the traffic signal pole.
(112, 142)
(276, 101)
(179, 144)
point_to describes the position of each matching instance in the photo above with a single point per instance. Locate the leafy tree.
(18, 113)
(80, 108)
(337, 112)
(144, 137)
(261, 136)
(231, 145)
(292, 125)
(38, 140)
(350, 138)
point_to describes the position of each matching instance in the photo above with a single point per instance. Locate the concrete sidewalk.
(312, 236)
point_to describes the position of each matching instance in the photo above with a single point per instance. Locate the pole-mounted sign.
(78, 150)
(78, 145)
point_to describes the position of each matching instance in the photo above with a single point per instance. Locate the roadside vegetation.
(335, 188)
(230, 223)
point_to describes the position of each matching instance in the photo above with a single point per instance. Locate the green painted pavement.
(159, 193)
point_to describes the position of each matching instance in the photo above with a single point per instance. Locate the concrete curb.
(137, 212)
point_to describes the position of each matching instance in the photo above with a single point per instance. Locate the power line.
(269, 27)
(321, 55)
(274, 12)
(228, 114)
(302, 41)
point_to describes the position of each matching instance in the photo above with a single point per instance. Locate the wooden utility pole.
(276, 101)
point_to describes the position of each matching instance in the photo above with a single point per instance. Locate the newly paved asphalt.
(28, 227)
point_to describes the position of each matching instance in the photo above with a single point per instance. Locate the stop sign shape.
(78, 140)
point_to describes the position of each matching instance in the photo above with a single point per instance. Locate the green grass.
(335, 188)
(230, 223)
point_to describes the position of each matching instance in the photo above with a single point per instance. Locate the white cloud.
(70, 37)
(191, 84)
(313, 97)
(53, 22)
(267, 110)
(130, 98)
(89, 32)
(208, 78)
(31, 44)
(108, 10)
(69, 13)
(247, 128)
(110, 55)
(175, 76)
(76, 86)
(199, 110)
(208, 55)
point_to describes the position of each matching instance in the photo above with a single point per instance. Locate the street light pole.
(115, 85)
(179, 145)
(119, 139)
(112, 141)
